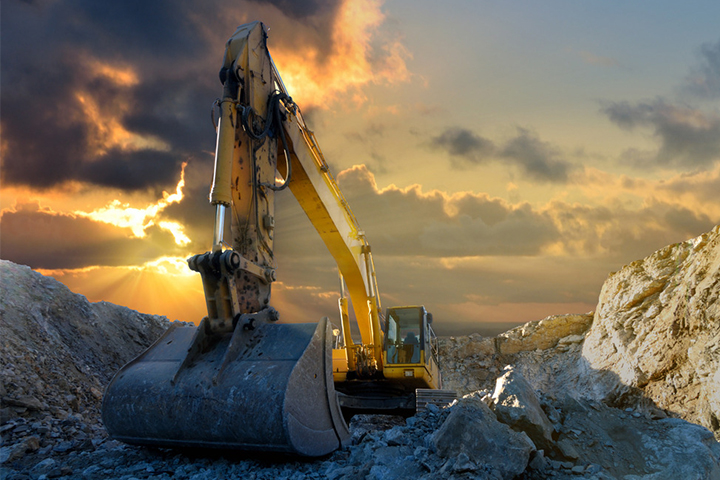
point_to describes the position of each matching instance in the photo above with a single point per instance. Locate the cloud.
(688, 137)
(73, 82)
(118, 95)
(302, 10)
(621, 234)
(41, 238)
(704, 79)
(464, 146)
(410, 221)
(536, 159)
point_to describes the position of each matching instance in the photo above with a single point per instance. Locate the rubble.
(628, 392)
(472, 439)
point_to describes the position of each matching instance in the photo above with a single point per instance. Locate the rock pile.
(58, 353)
(605, 395)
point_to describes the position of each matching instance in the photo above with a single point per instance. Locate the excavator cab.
(410, 352)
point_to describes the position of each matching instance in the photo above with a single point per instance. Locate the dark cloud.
(132, 170)
(538, 160)
(304, 9)
(43, 239)
(704, 80)
(688, 137)
(194, 211)
(627, 116)
(686, 222)
(57, 55)
(703, 186)
(464, 146)
(57, 103)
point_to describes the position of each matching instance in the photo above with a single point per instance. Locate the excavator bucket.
(267, 387)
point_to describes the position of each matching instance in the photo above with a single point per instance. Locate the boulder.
(516, 405)
(472, 429)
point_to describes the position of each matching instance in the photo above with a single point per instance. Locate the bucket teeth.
(270, 388)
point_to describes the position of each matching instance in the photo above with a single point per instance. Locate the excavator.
(241, 379)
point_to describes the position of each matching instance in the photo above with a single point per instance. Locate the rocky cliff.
(653, 342)
(630, 391)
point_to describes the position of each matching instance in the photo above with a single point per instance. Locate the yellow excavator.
(241, 379)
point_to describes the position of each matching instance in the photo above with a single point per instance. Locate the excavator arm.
(261, 132)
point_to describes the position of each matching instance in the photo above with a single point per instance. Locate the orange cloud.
(104, 117)
(124, 76)
(317, 74)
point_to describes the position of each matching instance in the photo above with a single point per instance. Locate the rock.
(31, 444)
(657, 329)
(5, 454)
(699, 457)
(395, 436)
(582, 435)
(45, 467)
(72, 402)
(516, 405)
(475, 345)
(543, 334)
(14, 452)
(567, 449)
(463, 464)
(92, 472)
(538, 461)
(472, 428)
(25, 401)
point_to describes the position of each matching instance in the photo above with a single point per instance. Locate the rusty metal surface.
(270, 388)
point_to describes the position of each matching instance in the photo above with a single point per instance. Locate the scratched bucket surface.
(270, 389)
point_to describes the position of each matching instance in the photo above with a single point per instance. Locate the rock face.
(58, 349)
(58, 353)
(657, 328)
(543, 334)
(653, 341)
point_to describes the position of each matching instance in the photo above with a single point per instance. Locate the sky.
(503, 158)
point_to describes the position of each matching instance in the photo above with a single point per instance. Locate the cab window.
(405, 336)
